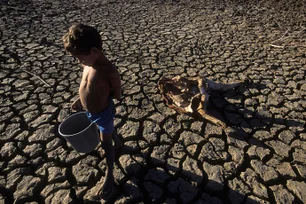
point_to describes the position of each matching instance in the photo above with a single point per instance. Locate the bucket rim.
(72, 135)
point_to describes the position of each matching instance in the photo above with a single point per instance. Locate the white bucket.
(80, 132)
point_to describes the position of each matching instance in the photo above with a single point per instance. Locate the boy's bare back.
(95, 88)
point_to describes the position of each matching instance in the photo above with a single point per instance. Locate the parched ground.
(167, 157)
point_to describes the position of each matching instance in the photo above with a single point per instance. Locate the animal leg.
(221, 87)
(211, 118)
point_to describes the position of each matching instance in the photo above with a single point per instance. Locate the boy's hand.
(77, 105)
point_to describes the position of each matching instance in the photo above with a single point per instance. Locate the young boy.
(100, 83)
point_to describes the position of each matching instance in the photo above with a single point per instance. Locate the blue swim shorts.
(105, 119)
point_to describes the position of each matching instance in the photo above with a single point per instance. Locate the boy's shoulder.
(108, 69)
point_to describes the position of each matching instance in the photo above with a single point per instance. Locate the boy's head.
(82, 40)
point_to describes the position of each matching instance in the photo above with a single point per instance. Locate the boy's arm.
(115, 82)
(77, 105)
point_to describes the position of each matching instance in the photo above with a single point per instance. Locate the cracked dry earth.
(167, 157)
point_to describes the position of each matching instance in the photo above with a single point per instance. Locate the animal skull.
(190, 95)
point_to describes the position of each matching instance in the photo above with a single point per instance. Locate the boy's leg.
(116, 139)
(107, 145)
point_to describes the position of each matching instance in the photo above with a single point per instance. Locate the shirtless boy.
(100, 83)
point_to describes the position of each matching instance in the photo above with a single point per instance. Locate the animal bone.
(190, 95)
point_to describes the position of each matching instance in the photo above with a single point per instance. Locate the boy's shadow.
(149, 183)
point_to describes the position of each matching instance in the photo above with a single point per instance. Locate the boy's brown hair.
(81, 38)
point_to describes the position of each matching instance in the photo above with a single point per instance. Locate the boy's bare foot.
(107, 187)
